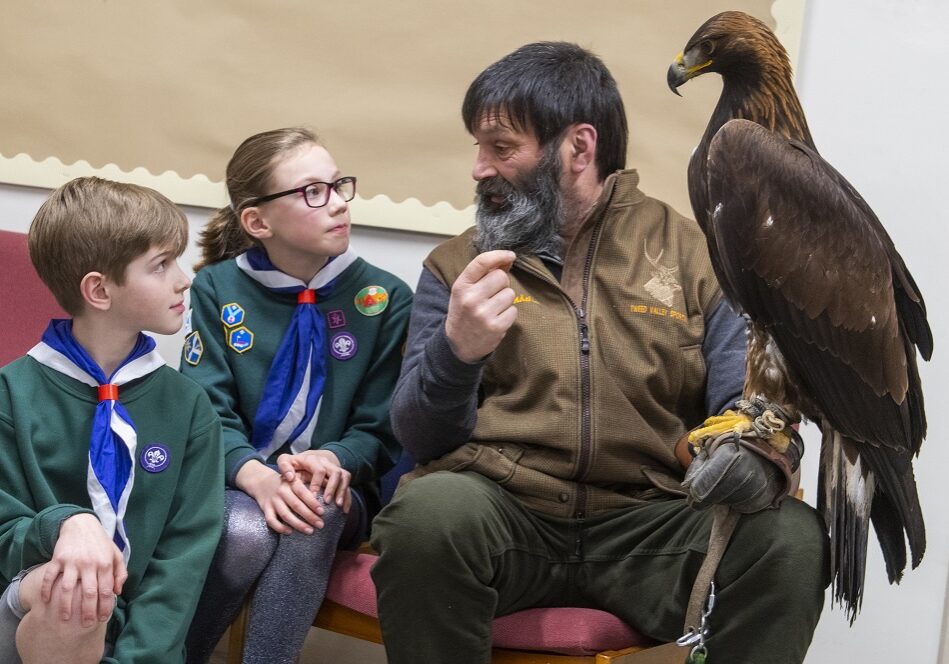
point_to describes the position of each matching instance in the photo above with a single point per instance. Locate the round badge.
(372, 300)
(343, 346)
(155, 458)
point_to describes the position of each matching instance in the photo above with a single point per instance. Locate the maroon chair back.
(27, 305)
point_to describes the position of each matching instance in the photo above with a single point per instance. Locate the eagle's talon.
(713, 427)
(756, 418)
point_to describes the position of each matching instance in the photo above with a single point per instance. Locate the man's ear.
(254, 224)
(581, 147)
(95, 291)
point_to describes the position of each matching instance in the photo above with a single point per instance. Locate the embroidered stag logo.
(663, 284)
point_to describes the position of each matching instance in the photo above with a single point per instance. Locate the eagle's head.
(734, 44)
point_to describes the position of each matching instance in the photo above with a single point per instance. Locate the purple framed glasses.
(316, 194)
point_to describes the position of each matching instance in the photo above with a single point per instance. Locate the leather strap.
(723, 525)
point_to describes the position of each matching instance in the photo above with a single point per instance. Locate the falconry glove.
(744, 470)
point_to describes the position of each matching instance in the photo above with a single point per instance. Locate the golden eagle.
(835, 316)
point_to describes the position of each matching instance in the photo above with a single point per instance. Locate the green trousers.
(456, 550)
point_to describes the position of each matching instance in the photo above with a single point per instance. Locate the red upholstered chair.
(27, 304)
(534, 636)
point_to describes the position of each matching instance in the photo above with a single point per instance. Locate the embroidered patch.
(343, 346)
(657, 311)
(663, 284)
(524, 298)
(372, 300)
(240, 339)
(232, 314)
(336, 318)
(194, 348)
(154, 458)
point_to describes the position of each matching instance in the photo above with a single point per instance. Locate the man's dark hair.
(547, 86)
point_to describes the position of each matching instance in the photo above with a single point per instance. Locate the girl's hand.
(287, 506)
(321, 470)
(87, 562)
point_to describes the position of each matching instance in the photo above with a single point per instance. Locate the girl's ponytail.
(248, 177)
(222, 238)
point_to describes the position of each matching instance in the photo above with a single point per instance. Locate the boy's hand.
(87, 562)
(317, 470)
(287, 506)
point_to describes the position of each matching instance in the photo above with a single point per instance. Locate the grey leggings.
(11, 613)
(291, 572)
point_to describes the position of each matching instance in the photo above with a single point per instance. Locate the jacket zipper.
(586, 414)
(586, 417)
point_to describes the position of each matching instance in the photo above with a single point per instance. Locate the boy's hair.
(547, 86)
(247, 177)
(95, 225)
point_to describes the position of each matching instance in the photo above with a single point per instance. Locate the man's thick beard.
(530, 218)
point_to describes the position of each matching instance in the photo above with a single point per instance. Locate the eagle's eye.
(707, 47)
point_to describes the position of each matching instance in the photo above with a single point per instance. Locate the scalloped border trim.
(198, 190)
(380, 211)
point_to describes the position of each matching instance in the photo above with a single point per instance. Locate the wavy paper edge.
(380, 211)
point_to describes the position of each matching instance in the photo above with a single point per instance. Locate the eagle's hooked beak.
(676, 75)
(679, 73)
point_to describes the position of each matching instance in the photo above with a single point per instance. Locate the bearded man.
(558, 354)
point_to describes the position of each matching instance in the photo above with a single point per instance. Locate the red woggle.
(108, 392)
(307, 296)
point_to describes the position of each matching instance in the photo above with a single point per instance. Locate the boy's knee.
(43, 637)
(43, 626)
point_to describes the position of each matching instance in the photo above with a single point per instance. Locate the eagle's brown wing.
(800, 252)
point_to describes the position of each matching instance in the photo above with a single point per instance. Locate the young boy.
(111, 477)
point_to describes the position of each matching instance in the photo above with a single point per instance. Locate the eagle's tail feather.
(897, 510)
(844, 498)
(859, 484)
(889, 530)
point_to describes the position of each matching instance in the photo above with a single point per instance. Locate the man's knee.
(435, 510)
(791, 543)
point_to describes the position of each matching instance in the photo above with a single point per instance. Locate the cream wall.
(871, 82)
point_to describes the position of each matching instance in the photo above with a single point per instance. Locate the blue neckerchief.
(112, 443)
(290, 403)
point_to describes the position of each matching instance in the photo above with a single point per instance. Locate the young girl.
(298, 343)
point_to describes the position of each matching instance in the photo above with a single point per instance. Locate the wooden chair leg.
(235, 641)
